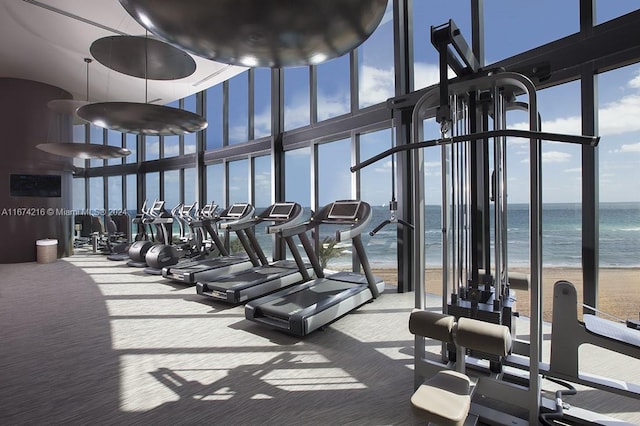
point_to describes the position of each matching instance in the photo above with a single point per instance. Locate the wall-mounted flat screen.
(347, 210)
(35, 185)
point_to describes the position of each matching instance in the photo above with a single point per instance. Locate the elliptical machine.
(163, 254)
(152, 217)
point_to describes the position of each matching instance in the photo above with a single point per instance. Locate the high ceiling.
(47, 41)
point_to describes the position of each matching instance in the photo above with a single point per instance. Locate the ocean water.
(619, 239)
(619, 236)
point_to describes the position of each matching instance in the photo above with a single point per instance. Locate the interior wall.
(26, 121)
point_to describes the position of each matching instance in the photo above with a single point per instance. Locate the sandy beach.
(619, 289)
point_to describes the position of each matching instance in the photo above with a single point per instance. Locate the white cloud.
(384, 167)
(376, 85)
(635, 81)
(555, 157)
(331, 105)
(425, 75)
(633, 147)
(620, 116)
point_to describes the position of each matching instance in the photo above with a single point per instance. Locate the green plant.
(328, 251)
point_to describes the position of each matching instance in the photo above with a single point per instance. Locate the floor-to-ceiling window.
(376, 74)
(619, 207)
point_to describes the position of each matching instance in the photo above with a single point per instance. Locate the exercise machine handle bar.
(514, 133)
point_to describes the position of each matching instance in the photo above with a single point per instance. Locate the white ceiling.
(47, 41)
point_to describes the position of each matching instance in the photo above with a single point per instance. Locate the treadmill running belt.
(323, 290)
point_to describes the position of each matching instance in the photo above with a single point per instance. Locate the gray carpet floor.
(88, 341)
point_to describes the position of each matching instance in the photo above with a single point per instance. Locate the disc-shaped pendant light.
(154, 60)
(84, 150)
(70, 106)
(143, 57)
(142, 118)
(269, 33)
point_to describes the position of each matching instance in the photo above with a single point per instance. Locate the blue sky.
(618, 95)
(618, 100)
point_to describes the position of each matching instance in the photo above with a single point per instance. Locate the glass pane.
(171, 195)
(189, 141)
(132, 194)
(334, 174)
(131, 145)
(96, 136)
(114, 139)
(262, 181)
(607, 10)
(238, 181)
(215, 184)
(214, 117)
(334, 183)
(190, 103)
(433, 210)
(376, 76)
(296, 98)
(262, 103)
(79, 198)
(297, 185)
(425, 56)
(78, 133)
(152, 182)
(152, 147)
(239, 108)
(190, 185)
(96, 195)
(114, 185)
(559, 19)
(619, 157)
(79, 137)
(171, 146)
(334, 88)
(375, 188)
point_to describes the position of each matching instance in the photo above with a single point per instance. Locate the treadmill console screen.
(237, 210)
(157, 207)
(282, 210)
(344, 210)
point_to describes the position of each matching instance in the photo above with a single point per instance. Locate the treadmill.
(264, 279)
(191, 271)
(303, 308)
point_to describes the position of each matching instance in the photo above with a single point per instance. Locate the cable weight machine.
(471, 110)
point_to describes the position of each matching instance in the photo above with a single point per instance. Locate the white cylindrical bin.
(46, 250)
